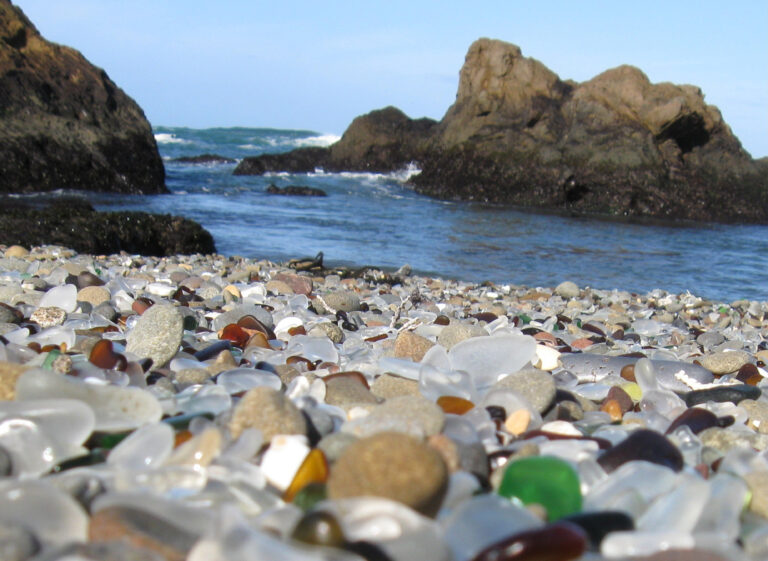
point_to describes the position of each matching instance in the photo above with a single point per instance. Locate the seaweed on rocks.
(73, 222)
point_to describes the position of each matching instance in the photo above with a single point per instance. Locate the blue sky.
(316, 65)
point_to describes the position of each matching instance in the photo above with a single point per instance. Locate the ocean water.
(375, 219)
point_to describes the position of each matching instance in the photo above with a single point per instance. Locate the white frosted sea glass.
(482, 521)
(648, 480)
(398, 530)
(486, 358)
(243, 379)
(627, 544)
(56, 517)
(115, 408)
(645, 375)
(436, 382)
(679, 510)
(146, 447)
(64, 297)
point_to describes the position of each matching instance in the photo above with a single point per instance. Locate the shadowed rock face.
(64, 123)
(616, 144)
(75, 224)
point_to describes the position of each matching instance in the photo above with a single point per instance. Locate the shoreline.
(280, 398)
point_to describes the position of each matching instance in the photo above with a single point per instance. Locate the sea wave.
(400, 176)
(319, 140)
(170, 138)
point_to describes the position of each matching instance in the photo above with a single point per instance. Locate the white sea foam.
(169, 138)
(320, 140)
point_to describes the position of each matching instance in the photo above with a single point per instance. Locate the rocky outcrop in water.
(74, 223)
(64, 123)
(296, 191)
(616, 144)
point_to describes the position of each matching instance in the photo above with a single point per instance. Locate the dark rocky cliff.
(64, 123)
(517, 133)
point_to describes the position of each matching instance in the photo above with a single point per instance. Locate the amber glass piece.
(252, 324)
(141, 305)
(319, 528)
(300, 363)
(314, 469)
(359, 376)
(375, 338)
(234, 333)
(613, 408)
(104, 356)
(35, 346)
(453, 404)
(298, 330)
(49, 348)
(628, 372)
(181, 437)
(258, 339)
(749, 374)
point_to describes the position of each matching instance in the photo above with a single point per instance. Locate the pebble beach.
(212, 408)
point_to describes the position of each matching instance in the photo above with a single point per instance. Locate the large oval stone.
(394, 466)
(157, 334)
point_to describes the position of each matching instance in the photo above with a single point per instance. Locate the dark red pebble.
(695, 418)
(599, 524)
(561, 541)
(643, 444)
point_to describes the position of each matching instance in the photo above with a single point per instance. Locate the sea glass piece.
(696, 419)
(115, 408)
(435, 382)
(454, 405)
(549, 482)
(243, 379)
(64, 297)
(56, 517)
(103, 356)
(314, 469)
(599, 524)
(482, 521)
(319, 528)
(147, 447)
(678, 510)
(486, 358)
(562, 541)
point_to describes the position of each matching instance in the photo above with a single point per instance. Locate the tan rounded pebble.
(298, 283)
(411, 346)
(724, 362)
(394, 466)
(233, 290)
(328, 329)
(340, 301)
(517, 423)
(191, 376)
(48, 316)
(387, 386)
(157, 334)
(456, 332)
(758, 485)
(16, 251)
(279, 287)
(94, 295)
(9, 373)
(758, 414)
(346, 390)
(269, 411)
(447, 449)
(567, 289)
(537, 386)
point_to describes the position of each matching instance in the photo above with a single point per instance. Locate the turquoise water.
(370, 219)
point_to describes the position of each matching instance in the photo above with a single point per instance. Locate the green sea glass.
(547, 481)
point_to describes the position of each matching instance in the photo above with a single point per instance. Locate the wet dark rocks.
(296, 190)
(204, 159)
(64, 124)
(74, 223)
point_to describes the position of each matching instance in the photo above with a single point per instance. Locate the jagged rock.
(204, 159)
(74, 223)
(296, 190)
(616, 144)
(64, 123)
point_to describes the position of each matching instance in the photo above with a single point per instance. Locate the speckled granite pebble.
(157, 334)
